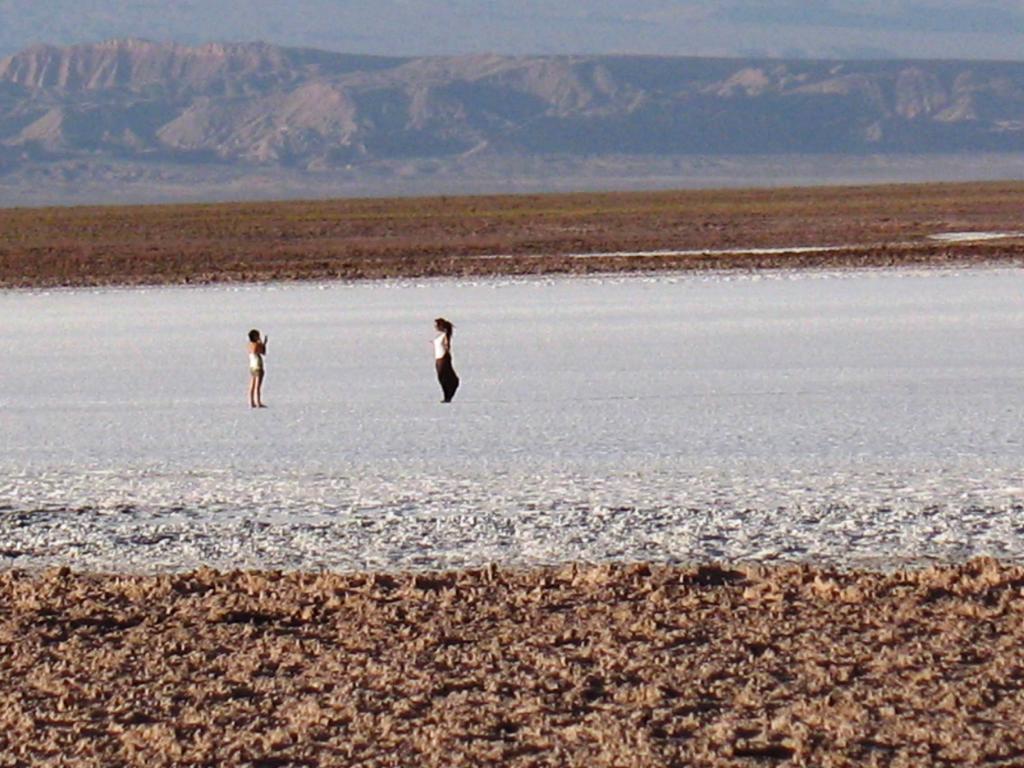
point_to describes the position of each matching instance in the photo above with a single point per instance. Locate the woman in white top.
(446, 375)
(257, 349)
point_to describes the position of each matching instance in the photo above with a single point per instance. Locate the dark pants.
(447, 377)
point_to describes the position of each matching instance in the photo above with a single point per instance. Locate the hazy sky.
(832, 28)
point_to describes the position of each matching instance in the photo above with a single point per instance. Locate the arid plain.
(628, 664)
(512, 235)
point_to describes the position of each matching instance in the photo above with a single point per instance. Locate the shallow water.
(856, 418)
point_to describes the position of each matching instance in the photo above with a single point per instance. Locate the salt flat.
(863, 417)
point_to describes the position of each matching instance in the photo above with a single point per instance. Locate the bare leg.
(259, 390)
(253, 384)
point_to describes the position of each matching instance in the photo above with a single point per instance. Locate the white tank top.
(441, 346)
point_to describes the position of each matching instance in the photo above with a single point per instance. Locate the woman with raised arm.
(257, 349)
(446, 375)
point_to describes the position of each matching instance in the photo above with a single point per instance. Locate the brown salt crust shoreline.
(371, 239)
(965, 256)
(624, 665)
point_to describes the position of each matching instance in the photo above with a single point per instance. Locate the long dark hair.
(444, 326)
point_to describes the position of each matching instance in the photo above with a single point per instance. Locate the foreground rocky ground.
(590, 666)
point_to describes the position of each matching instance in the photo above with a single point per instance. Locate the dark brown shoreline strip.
(373, 239)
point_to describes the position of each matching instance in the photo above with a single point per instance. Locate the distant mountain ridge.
(255, 105)
(136, 64)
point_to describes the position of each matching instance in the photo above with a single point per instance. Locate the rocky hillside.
(260, 104)
(103, 114)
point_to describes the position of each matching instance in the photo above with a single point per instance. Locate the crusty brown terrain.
(419, 237)
(624, 665)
